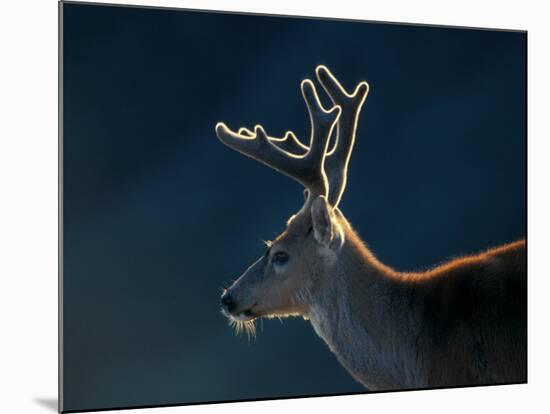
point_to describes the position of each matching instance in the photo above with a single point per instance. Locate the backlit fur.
(461, 323)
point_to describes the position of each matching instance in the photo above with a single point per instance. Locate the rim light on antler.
(320, 171)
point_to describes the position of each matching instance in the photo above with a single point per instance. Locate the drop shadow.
(49, 403)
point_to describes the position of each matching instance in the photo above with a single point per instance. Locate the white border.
(28, 215)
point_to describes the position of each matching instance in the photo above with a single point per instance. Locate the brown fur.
(461, 323)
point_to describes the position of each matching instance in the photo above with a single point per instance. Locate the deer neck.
(367, 318)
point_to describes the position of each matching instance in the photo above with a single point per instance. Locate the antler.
(308, 168)
(310, 165)
(289, 142)
(337, 161)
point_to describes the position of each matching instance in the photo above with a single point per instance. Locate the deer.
(461, 323)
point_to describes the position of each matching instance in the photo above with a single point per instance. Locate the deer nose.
(227, 302)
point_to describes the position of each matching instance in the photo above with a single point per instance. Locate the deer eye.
(280, 258)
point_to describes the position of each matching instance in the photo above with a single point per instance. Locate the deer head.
(280, 282)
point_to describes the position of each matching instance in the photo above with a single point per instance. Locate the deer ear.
(326, 229)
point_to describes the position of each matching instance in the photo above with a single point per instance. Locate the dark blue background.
(158, 214)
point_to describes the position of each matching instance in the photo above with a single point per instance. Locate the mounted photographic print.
(259, 207)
